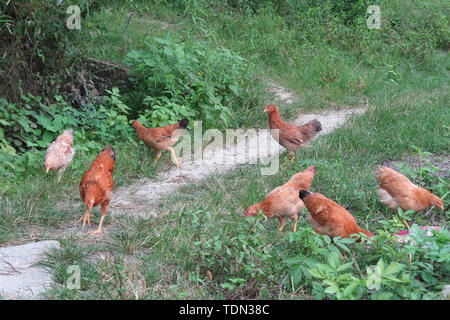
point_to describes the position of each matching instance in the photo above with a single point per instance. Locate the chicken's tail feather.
(183, 123)
(366, 232)
(304, 193)
(317, 125)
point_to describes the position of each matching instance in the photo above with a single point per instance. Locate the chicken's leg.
(99, 229)
(105, 206)
(294, 218)
(282, 164)
(282, 221)
(174, 157)
(60, 171)
(403, 221)
(84, 218)
(158, 155)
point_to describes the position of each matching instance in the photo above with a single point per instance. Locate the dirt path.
(141, 198)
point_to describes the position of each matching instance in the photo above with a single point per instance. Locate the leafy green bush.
(28, 128)
(386, 269)
(175, 80)
(37, 47)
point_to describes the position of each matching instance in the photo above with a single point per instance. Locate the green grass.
(113, 32)
(204, 233)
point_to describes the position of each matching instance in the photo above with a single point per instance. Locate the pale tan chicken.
(59, 154)
(283, 202)
(396, 190)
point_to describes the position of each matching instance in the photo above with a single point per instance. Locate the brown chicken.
(283, 202)
(59, 154)
(396, 190)
(329, 218)
(96, 185)
(289, 136)
(161, 138)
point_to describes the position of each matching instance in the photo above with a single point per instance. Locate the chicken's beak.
(442, 207)
(46, 170)
(265, 110)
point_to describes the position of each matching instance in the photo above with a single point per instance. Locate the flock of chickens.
(286, 201)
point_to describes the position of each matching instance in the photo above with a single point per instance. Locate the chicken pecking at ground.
(59, 154)
(283, 202)
(289, 136)
(161, 138)
(396, 190)
(96, 185)
(329, 218)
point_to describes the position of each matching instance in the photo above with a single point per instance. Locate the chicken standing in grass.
(396, 190)
(289, 136)
(283, 202)
(59, 154)
(161, 138)
(96, 185)
(329, 218)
